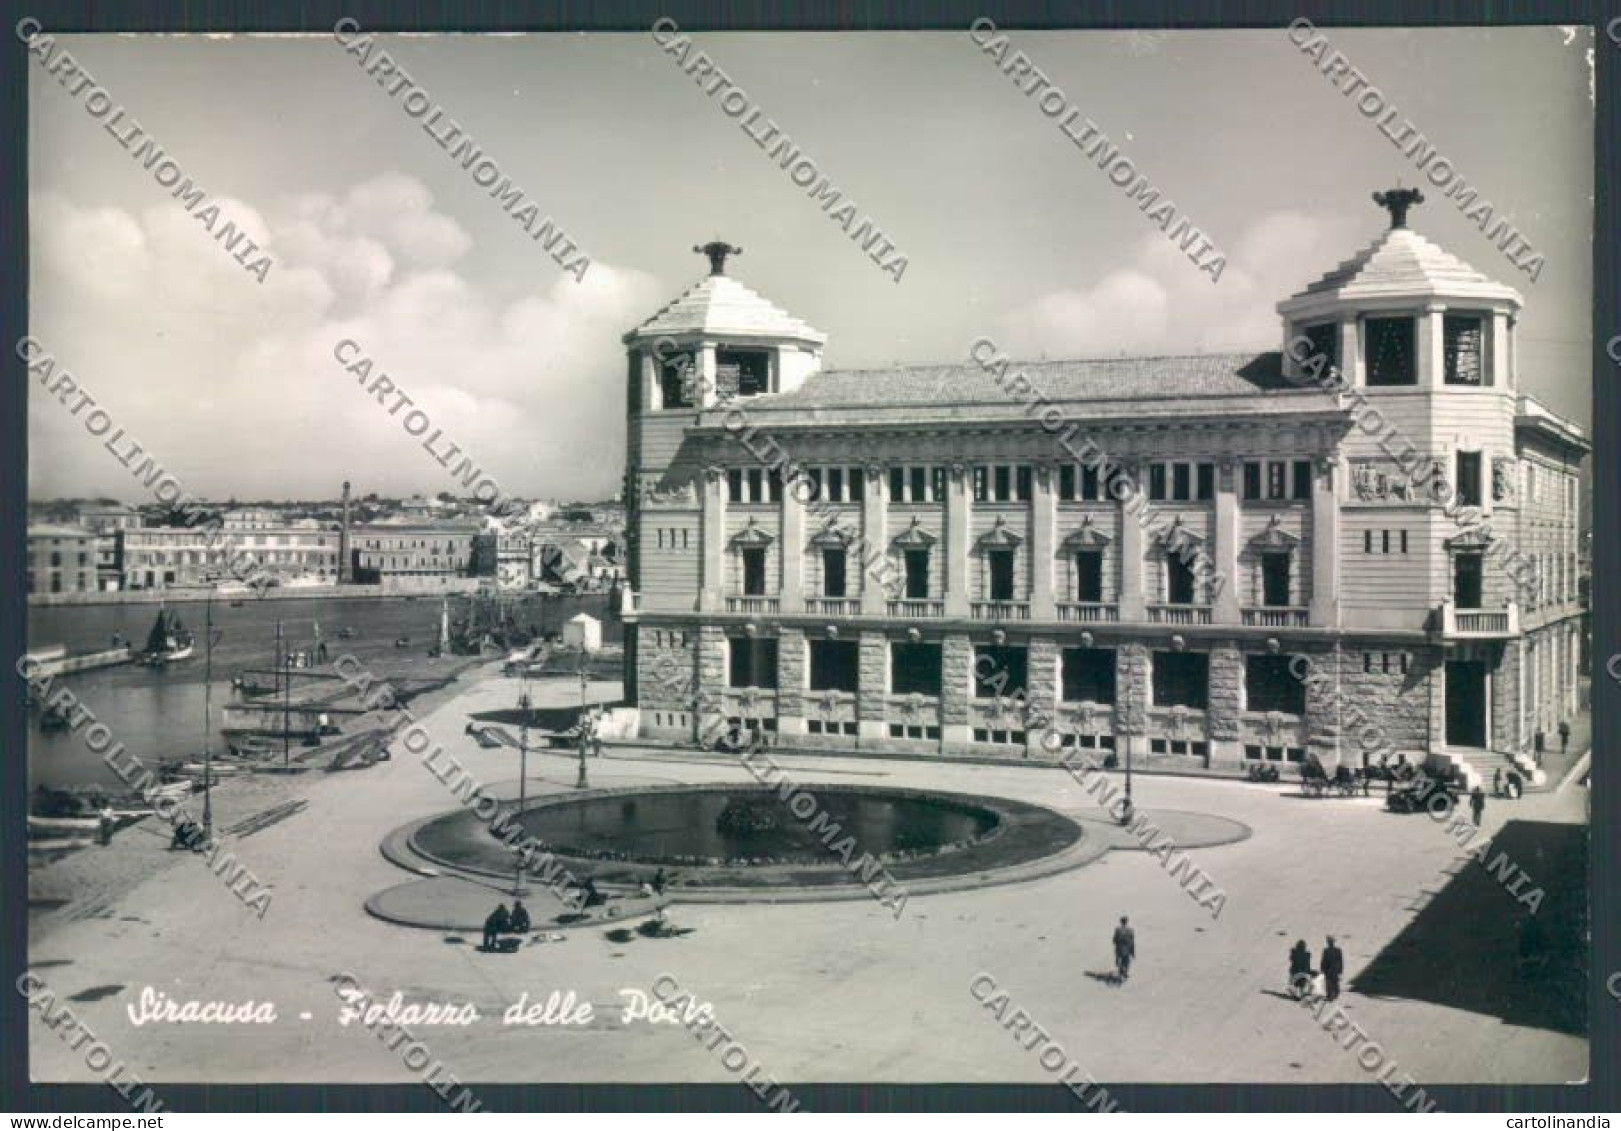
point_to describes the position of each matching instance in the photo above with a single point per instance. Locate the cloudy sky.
(377, 235)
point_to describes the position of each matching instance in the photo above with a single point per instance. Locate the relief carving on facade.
(1504, 474)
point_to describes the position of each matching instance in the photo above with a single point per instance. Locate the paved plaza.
(847, 990)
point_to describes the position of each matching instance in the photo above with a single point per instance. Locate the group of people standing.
(1302, 978)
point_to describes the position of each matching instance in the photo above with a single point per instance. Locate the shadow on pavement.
(1464, 948)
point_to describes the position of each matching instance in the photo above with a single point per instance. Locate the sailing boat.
(168, 640)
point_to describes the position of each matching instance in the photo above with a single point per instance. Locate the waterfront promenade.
(845, 990)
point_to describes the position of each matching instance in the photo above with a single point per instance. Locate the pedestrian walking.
(1299, 969)
(1125, 949)
(1477, 804)
(1564, 736)
(496, 925)
(1333, 968)
(1497, 782)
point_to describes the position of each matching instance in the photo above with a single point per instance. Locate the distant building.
(513, 560)
(422, 556)
(307, 551)
(250, 518)
(157, 557)
(61, 559)
(105, 521)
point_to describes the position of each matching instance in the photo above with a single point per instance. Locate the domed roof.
(1401, 262)
(720, 306)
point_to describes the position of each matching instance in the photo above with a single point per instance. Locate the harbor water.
(157, 713)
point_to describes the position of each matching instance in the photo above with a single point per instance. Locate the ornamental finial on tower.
(718, 250)
(1398, 200)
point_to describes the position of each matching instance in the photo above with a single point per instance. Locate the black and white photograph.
(698, 555)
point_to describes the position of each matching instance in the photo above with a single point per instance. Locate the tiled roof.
(1115, 378)
(57, 530)
(719, 304)
(1399, 263)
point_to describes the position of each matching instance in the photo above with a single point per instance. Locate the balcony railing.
(1479, 623)
(1276, 616)
(1087, 612)
(832, 606)
(754, 605)
(1179, 614)
(915, 607)
(1000, 610)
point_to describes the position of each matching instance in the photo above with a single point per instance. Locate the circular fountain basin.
(732, 838)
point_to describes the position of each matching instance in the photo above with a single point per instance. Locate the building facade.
(61, 559)
(417, 556)
(1362, 544)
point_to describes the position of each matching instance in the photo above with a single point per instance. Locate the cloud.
(1160, 303)
(234, 385)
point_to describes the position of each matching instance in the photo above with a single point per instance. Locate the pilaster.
(1324, 611)
(1226, 583)
(875, 536)
(957, 547)
(1043, 516)
(1132, 604)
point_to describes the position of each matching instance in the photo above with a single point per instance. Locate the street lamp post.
(581, 782)
(208, 716)
(523, 772)
(1125, 815)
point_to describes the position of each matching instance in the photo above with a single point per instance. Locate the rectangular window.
(1325, 344)
(734, 485)
(1469, 491)
(999, 671)
(1182, 679)
(982, 484)
(773, 480)
(833, 580)
(814, 476)
(1156, 481)
(1021, 483)
(914, 669)
(897, 484)
(1182, 482)
(1088, 675)
(676, 384)
(857, 484)
(1207, 482)
(1466, 580)
(754, 571)
(1004, 483)
(747, 372)
(1089, 575)
(1277, 476)
(1089, 484)
(919, 484)
(1178, 581)
(917, 574)
(1269, 685)
(1404, 541)
(1066, 482)
(939, 477)
(1275, 579)
(1252, 480)
(1390, 351)
(835, 665)
(756, 485)
(1384, 539)
(1000, 563)
(1462, 338)
(835, 484)
(1367, 541)
(1302, 482)
(753, 661)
